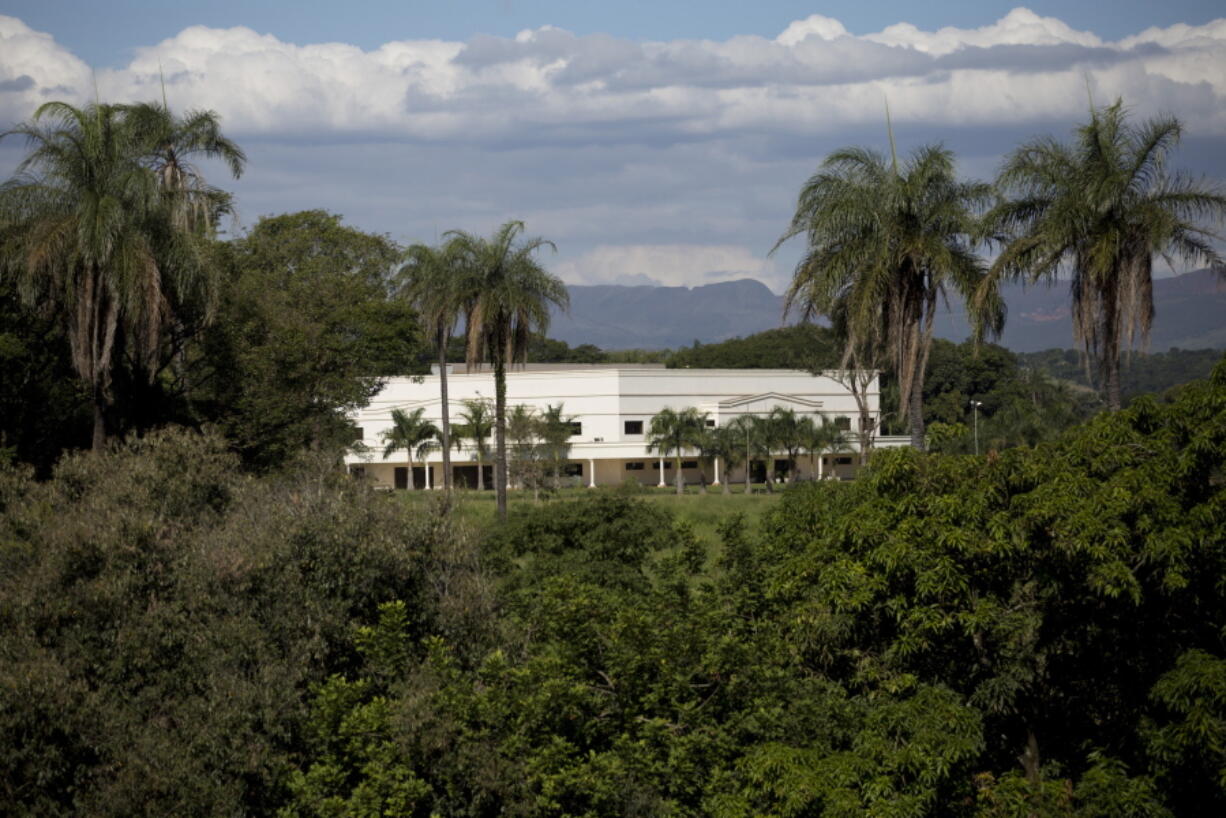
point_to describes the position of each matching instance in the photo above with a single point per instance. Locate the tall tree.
(91, 235)
(307, 324)
(672, 433)
(885, 241)
(477, 426)
(508, 296)
(411, 432)
(431, 280)
(1100, 208)
(173, 144)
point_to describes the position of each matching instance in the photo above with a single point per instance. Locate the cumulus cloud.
(548, 83)
(675, 161)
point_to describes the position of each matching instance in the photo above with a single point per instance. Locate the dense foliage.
(1035, 632)
(1140, 372)
(163, 617)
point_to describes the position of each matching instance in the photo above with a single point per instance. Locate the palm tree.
(747, 430)
(729, 446)
(820, 437)
(523, 430)
(411, 432)
(172, 144)
(508, 296)
(710, 446)
(432, 280)
(92, 236)
(554, 429)
(1102, 207)
(477, 427)
(884, 244)
(672, 433)
(787, 433)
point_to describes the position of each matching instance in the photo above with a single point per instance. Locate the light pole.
(975, 404)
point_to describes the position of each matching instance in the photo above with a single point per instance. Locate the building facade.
(611, 407)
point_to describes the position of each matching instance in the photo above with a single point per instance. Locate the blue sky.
(660, 141)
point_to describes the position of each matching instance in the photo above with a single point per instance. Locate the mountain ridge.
(1190, 313)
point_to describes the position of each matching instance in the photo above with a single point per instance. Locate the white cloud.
(548, 85)
(670, 265)
(675, 160)
(815, 25)
(1021, 26)
(35, 69)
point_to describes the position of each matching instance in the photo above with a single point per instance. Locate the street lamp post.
(975, 404)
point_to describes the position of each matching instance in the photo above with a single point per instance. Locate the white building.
(612, 406)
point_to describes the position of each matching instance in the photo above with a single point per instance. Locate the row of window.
(668, 464)
(631, 427)
(780, 465)
(635, 427)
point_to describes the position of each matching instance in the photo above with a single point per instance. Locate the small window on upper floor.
(710, 423)
(843, 423)
(357, 434)
(634, 427)
(576, 428)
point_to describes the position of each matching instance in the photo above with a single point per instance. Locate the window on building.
(710, 423)
(358, 472)
(635, 466)
(634, 427)
(689, 464)
(357, 435)
(842, 461)
(573, 470)
(842, 422)
(576, 428)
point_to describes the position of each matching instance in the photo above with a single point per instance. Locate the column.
(716, 483)
(662, 484)
(591, 473)
(429, 470)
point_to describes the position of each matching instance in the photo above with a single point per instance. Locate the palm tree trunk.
(99, 441)
(1112, 382)
(480, 468)
(915, 407)
(680, 479)
(442, 388)
(500, 436)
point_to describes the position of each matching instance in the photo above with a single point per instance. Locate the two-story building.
(611, 406)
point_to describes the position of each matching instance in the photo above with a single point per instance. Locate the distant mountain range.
(1190, 314)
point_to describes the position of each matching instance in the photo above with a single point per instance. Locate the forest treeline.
(1023, 397)
(301, 329)
(1033, 633)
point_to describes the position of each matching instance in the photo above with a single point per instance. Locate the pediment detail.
(779, 397)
